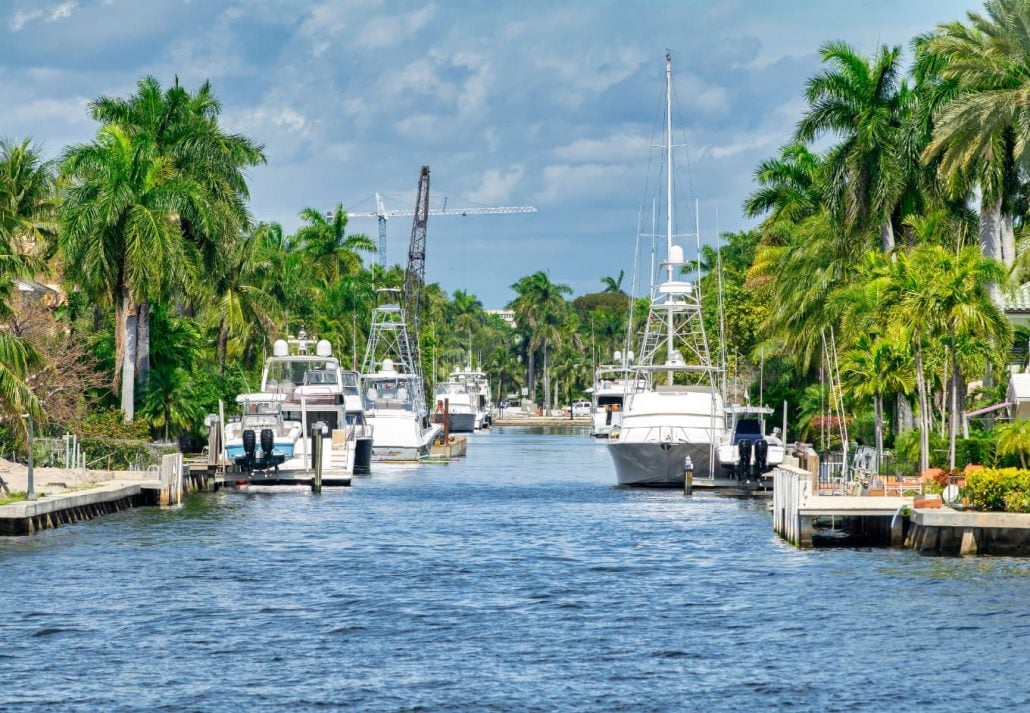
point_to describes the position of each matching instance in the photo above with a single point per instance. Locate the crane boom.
(415, 276)
(383, 214)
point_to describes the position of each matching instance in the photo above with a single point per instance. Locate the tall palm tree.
(789, 185)
(539, 310)
(28, 215)
(980, 134)
(240, 302)
(861, 101)
(121, 239)
(331, 253)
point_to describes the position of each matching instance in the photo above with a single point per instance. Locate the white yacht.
(672, 417)
(393, 389)
(457, 399)
(747, 426)
(479, 387)
(301, 392)
(611, 382)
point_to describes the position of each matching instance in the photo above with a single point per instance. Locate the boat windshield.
(287, 374)
(390, 393)
(450, 388)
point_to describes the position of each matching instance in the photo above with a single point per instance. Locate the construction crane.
(383, 214)
(415, 275)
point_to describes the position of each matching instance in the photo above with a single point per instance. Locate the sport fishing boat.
(458, 402)
(302, 393)
(392, 387)
(673, 417)
(479, 386)
(747, 452)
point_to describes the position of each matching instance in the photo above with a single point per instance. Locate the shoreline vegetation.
(153, 293)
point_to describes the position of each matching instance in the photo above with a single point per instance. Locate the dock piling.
(316, 455)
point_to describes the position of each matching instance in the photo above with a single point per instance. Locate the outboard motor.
(744, 461)
(269, 458)
(761, 456)
(246, 461)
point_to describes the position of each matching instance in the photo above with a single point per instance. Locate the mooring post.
(688, 479)
(316, 452)
(31, 495)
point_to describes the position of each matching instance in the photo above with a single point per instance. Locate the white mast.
(668, 196)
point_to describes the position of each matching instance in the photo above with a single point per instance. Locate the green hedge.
(999, 489)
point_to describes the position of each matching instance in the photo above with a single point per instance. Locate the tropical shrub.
(999, 489)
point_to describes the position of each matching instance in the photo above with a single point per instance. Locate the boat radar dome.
(388, 365)
(675, 358)
(280, 348)
(618, 356)
(324, 348)
(676, 255)
(629, 356)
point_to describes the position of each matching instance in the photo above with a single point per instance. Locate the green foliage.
(999, 490)
(109, 423)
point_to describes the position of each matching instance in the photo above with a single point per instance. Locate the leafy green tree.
(789, 185)
(613, 284)
(331, 253)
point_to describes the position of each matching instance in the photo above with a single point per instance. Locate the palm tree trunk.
(990, 235)
(1008, 241)
(530, 373)
(954, 400)
(547, 379)
(119, 344)
(924, 406)
(905, 419)
(887, 235)
(878, 416)
(128, 328)
(143, 343)
(223, 342)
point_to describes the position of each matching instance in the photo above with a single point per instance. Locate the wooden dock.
(797, 508)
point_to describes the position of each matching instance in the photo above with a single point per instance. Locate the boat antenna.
(668, 196)
(722, 313)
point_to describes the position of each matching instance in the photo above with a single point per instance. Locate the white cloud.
(496, 187)
(421, 127)
(388, 31)
(57, 12)
(566, 181)
(262, 117)
(614, 148)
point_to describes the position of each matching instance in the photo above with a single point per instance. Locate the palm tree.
(613, 284)
(1014, 437)
(28, 211)
(873, 369)
(239, 300)
(331, 253)
(860, 101)
(539, 310)
(789, 185)
(121, 239)
(182, 128)
(959, 301)
(980, 135)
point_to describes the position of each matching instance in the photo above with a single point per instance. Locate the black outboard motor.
(761, 456)
(744, 462)
(249, 457)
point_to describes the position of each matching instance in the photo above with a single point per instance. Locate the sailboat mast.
(668, 196)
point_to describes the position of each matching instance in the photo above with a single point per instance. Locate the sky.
(549, 104)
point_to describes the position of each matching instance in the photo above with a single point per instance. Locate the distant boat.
(392, 387)
(611, 382)
(479, 386)
(457, 400)
(667, 427)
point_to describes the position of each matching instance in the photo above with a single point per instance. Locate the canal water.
(519, 579)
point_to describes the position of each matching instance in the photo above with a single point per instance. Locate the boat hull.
(659, 465)
(461, 422)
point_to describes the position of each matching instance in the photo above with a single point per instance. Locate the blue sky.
(550, 104)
